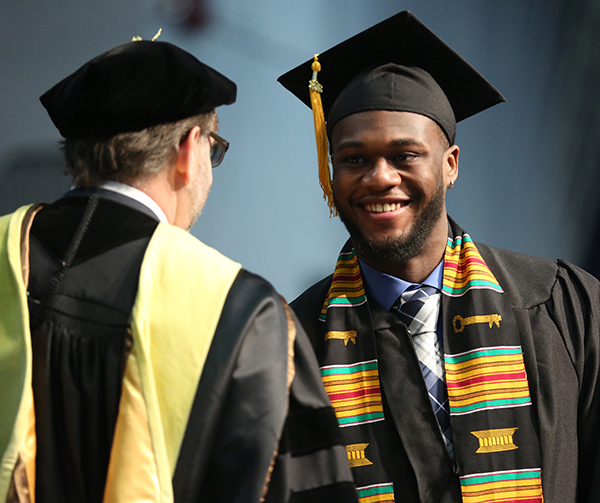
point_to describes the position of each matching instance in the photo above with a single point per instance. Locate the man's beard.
(404, 248)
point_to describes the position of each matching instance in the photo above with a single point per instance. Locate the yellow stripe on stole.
(474, 271)
(490, 361)
(497, 385)
(377, 498)
(526, 485)
(360, 376)
(455, 376)
(458, 402)
(346, 289)
(462, 279)
(349, 388)
(474, 267)
(346, 263)
(475, 396)
(465, 376)
(349, 270)
(508, 495)
(356, 411)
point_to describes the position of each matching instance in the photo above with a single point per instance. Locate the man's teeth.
(380, 208)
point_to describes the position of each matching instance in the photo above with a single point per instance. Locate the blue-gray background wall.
(518, 187)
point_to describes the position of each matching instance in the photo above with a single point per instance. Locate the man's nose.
(382, 175)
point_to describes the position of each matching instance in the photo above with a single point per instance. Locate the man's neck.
(160, 187)
(138, 195)
(412, 272)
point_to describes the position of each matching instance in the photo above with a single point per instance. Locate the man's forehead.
(401, 127)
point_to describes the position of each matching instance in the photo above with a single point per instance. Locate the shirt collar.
(138, 195)
(385, 289)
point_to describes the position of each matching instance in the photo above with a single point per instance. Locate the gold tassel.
(321, 135)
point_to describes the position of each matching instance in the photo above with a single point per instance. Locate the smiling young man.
(458, 371)
(391, 170)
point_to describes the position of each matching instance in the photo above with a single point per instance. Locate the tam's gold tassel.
(321, 135)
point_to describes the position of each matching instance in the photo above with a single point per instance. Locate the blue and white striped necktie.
(419, 308)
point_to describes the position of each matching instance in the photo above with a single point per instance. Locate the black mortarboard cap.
(398, 64)
(135, 86)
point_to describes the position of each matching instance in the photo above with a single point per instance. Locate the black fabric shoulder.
(527, 280)
(112, 225)
(574, 309)
(249, 295)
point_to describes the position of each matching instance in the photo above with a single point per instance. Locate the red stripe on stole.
(363, 392)
(346, 277)
(510, 376)
(465, 263)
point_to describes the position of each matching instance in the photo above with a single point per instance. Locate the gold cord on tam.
(157, 34)
(137, 38)
(321, 135)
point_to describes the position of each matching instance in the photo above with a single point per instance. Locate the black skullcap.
(133, 87)
(396, 88)
(399, 65)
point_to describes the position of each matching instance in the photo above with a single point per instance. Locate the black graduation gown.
(557, 308)
(81, 343)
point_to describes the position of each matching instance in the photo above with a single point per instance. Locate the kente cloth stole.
(495, 443)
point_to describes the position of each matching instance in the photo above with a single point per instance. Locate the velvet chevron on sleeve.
(303, 442)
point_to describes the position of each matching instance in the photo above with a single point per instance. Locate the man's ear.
(451, 164)
(186, 159)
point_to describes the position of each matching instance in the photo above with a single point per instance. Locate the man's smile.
(383, 208)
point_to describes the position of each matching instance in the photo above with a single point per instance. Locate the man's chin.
(386, 251)
(401, 246)
(384, 241)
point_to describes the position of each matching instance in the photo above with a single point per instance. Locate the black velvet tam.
(398, 65)
(135, 86)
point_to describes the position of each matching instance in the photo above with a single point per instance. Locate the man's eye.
(353, 159)
(404, 157)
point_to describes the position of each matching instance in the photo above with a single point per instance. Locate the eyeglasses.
(218, 149)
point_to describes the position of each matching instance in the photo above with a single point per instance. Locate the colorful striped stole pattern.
(464, 269)
(346, 287)
(354, 392)
(377, 493)
(486, 378)
(516, 486)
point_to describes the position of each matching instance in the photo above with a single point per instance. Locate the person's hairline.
(142, 176)
(442, 137)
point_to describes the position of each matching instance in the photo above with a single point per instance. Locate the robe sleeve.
(575, 308)
(312, 464)
(247, 421)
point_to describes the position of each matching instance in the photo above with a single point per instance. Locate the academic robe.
(557, 310)
(160, 370)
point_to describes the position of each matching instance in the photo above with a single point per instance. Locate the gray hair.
(130, 157)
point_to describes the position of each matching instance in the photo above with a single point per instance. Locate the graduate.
(458, 371)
